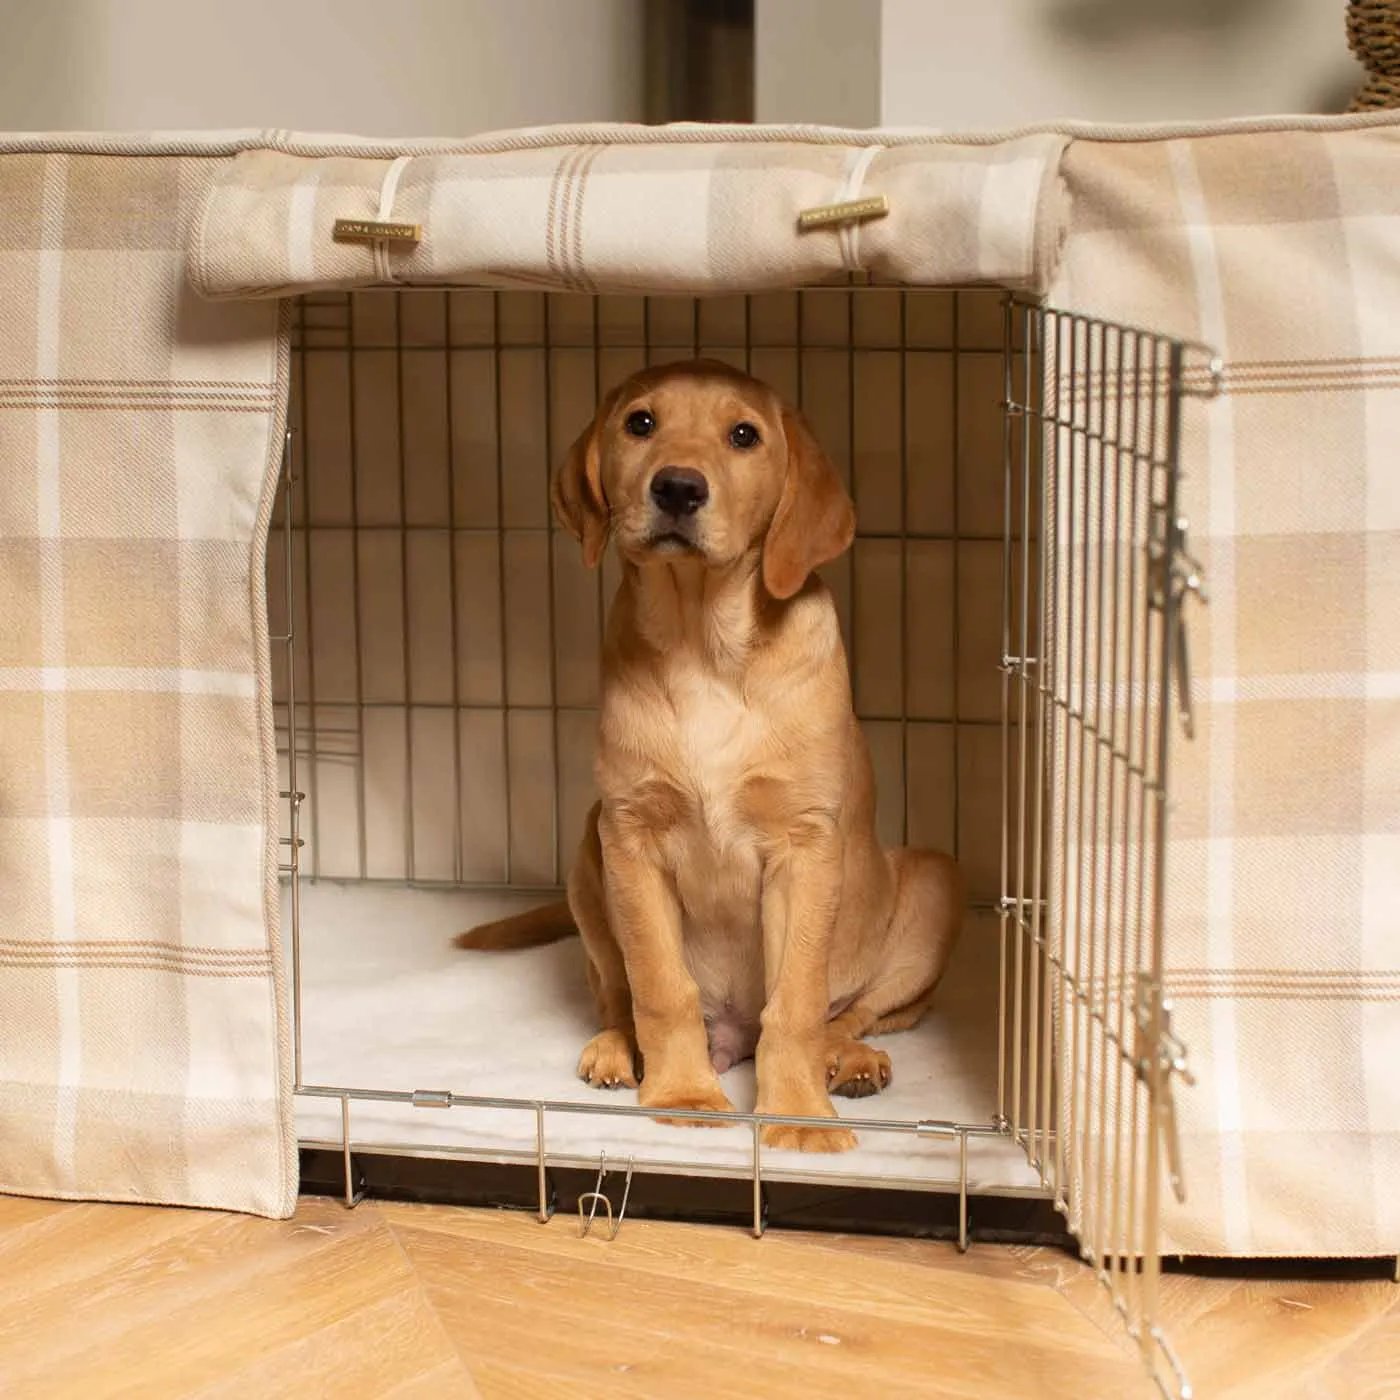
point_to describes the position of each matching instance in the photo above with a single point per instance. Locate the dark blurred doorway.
(699, 60)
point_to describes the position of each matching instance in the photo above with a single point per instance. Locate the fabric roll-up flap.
(662, 217)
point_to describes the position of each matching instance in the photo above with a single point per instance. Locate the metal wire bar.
(555, 833)
(962, 1193)
(1093, 696)
(449, 464)
(384, 1145)
(1031, 669)
(356, 607)
(405, 608)
(354, 1194)
(507, 814)
(1074, 772)
(470, 706)
(599, 389)
(1110, 1069)
(1133, 1299)
(955, 602)
(1056, 657)
(758, 1220)
(491, 531)
(951, 1129)
(1118, 1284)
(545, 1208)
(853, 648)
(1022, 664)
(1008, 1097)
(293, 796)
(1046, 495)
(905, 632)
(303, 419)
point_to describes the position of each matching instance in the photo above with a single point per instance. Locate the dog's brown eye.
(743, 435)
(641, 423)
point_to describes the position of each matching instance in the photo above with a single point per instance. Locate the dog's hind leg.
(928, 911)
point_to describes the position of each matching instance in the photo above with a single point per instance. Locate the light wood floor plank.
(1368, 1368)
(390, 1346)
(171, 1318)
(796, 1265)
(450, 1381)
(581, 1310)
(1264, 1340)
(394, 1302)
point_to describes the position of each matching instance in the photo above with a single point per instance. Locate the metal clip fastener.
(1157, 1050)
(850, 211)
(585, 1223)
(433, 1098)
(375, 231)
(1187, 579)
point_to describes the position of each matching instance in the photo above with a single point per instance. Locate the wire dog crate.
(1013, 610)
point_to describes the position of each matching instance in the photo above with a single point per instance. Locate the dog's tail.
(532, 929)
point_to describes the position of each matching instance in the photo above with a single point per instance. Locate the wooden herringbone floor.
(435, 1303)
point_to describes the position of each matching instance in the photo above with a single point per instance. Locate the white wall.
(371, 67)
(1005, 62)
(988, 64)
(817, 61)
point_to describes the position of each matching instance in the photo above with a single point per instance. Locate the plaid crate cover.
(143, 1048)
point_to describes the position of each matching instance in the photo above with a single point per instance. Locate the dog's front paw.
(788, 1137)
(609, 1061)
(792, 1139)
(857, 1070)
(694, 1097)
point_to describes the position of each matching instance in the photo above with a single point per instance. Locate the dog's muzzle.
(677, 494)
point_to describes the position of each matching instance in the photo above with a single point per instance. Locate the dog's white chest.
(718, 736)
(715, 852)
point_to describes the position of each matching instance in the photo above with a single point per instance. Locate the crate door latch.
(1159, 1056)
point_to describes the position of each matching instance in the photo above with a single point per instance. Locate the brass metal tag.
(853, 211)
(375, 231)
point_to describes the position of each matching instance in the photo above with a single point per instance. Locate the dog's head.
(698, 461)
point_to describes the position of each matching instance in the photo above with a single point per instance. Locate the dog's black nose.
(679, 490)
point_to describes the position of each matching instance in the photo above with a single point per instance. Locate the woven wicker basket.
(1373, 31)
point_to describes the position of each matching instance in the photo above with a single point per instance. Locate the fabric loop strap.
(382, 267)
(849, 234)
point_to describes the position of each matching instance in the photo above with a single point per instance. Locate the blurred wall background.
(455, 67)
(987, 64)
(373, 67)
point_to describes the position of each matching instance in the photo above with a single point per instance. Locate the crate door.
(1093, 673)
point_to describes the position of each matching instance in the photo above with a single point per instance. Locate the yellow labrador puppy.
(730, 890)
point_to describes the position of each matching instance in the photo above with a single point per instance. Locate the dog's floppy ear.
(577, 490)
(815, 520)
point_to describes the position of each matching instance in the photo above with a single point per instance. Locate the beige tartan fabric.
(1282, 251)
(695, 217)
(143, 1049)
(144, 1054)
